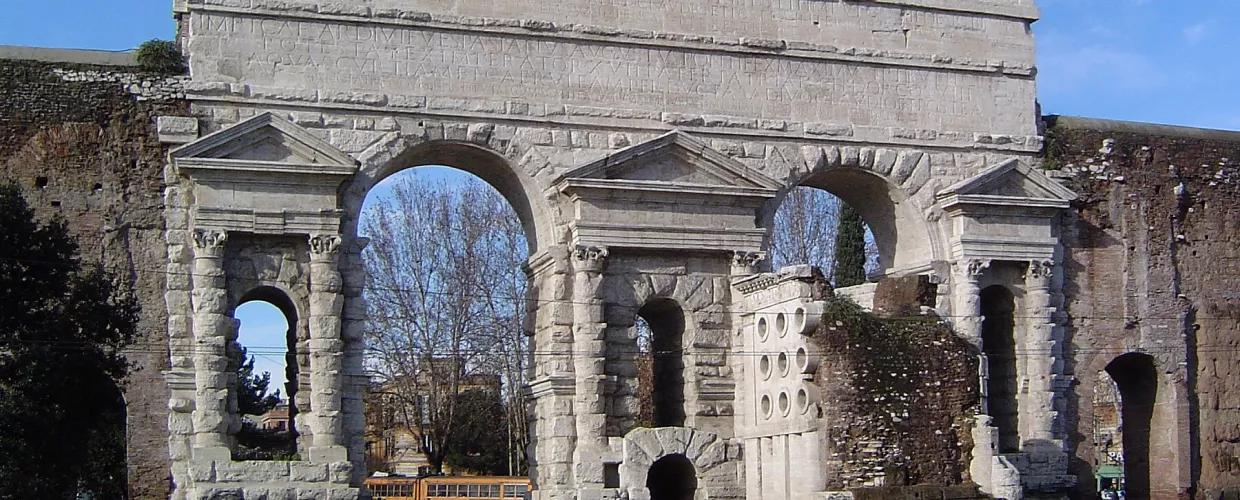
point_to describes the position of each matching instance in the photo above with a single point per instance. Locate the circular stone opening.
(802, 400)
(784, 404)
(781, 324)
(803, 360)
(764, 366)
(798, 319)
(783, 364)
(762, 328)
(766, 406)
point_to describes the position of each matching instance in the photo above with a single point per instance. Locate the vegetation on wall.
(160, 56)
(908, 383)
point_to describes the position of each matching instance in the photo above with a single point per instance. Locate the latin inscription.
(357, 57)
(844, 24)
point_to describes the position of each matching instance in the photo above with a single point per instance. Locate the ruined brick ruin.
(1043, 281)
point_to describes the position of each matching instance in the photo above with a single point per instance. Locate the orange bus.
(448, 487)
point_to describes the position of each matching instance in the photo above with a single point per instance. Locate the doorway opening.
(1137, 379)
(999, 346)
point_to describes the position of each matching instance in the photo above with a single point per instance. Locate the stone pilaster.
(967, 320)
(967, 310)
(589, 358)
(326, 350)
(353, 273)
(552, 423)
(1041, 362)
(212, 327)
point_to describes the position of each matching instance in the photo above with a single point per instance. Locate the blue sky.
(1162, 61)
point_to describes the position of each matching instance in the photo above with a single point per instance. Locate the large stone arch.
(481, 157)
(885, 186)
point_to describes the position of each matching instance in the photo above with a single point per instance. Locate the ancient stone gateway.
(645, 146)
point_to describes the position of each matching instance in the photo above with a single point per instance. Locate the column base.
(328, 454)
(209, 453)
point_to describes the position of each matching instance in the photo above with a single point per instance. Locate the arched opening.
(999, 346)
(445, 298)
(521, 192)
(901, 241)
(1136, 377)
(813, 226)
(661, 326)
(265, 394)
(672, 477)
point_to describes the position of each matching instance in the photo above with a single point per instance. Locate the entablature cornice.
(264, 175)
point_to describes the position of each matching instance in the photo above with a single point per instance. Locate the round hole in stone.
(802, 400)
(762, 328)
(781, 324)
(766, 406)
(784, 404)
(802, 360)
(783, 364)
(764, 366)
(798, 319)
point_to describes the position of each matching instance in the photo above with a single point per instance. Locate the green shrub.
(160, 56)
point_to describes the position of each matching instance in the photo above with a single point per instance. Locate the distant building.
(393, 443)
(275, 419)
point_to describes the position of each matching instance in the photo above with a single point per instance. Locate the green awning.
(1112, 471)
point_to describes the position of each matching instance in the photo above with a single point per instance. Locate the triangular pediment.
(674, 158)
(1011, 180)
(265, 139)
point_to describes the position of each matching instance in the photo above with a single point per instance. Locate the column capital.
(587, 258)
(324, 247)
(1039, 270)
(972, 269)
(209, 242)
(746, 262)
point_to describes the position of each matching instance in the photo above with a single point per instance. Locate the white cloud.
(1197, 32)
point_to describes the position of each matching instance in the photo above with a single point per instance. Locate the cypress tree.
(849, 249)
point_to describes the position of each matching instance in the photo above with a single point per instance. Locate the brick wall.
(81, 142)
(1153, 265)
(898, 392)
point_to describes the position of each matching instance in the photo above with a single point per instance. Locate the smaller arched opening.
(999, 346)
(672, 477)
(1136, 376)
(660, 344)
(265, 391)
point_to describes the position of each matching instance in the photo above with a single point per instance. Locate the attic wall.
(76, 131)
(1153, 264)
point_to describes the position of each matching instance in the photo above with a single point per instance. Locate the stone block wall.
(81, 141)
(1152, 265)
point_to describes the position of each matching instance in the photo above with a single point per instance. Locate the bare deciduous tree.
(805, 231)
(445, 299)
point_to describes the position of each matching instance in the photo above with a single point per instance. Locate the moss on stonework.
(908, 383)
(1056, 146)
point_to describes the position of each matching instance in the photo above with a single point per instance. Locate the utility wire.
(730, 311)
